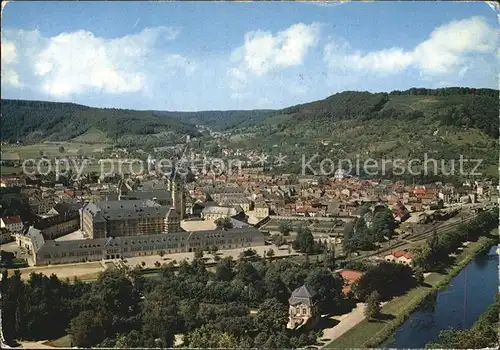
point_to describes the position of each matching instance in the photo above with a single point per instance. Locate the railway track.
(418, 237)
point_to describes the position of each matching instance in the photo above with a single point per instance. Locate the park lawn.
(371, 334)
(63, 342)
(366, 331)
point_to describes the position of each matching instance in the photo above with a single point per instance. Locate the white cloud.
(176, 61)
(10, 77)
(263, 52)
(80, 62)
(9, 59)
(9, 54)
(446, 51)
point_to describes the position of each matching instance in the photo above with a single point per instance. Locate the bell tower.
(172, 221)
(176, 186)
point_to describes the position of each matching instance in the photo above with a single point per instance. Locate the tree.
(272, 316)
(270, 253)
(160, 318)
(386, 278)
(214, 249)
(246, 272)
(279, 240)
(372, 308)
(433, 242)
(87, 329)
(188, 310)
(127, 341)
(423, 257)
(274, 286)
(329, 260)
(419, 275)
(198, 254)
(383, 224)
(326, 286)
(61, 149)
(224, 269)
(304, 241)
(224, 223)
(285, 227)
(260, 339)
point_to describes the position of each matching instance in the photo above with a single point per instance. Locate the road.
(347, 321)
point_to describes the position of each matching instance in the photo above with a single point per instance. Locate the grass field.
(372, 334)
(52, 149)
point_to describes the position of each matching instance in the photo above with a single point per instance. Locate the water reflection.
(458, 305)
(429, 303)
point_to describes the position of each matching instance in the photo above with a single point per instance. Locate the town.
(80, 227)
(249, 175)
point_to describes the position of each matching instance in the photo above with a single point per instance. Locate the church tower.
(172, 221)
(176, 186)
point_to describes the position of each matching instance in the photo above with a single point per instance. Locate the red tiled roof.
(9, 220)
(400, 253)
(349, 276)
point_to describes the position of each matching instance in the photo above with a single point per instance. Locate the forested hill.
(469, 107)
(400, 124)
(465, 108)
(222, 120)
(472, 108)
(33, 121)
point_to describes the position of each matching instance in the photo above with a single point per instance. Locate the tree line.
(212, 309)
(434, 253)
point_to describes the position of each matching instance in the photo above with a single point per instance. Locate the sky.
(187, 56)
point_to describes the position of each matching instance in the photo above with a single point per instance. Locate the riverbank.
(483, 333)
(372, 334)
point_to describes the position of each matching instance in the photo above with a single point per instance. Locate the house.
(58, 225)
(400, 257)
(349, 277)
(303, 308)
(11, 223)
(216, 212)
(400, 212)
(241, 201)
(261, 209)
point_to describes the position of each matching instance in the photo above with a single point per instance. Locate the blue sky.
(220, 55)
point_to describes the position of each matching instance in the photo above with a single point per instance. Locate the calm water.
(458, 305)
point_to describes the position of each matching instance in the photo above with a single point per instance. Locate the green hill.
(34, 121)
(443, 123)
(221, 120)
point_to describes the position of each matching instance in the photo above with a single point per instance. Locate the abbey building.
(135, 212)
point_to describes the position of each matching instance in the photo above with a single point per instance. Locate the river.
(458, 305)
